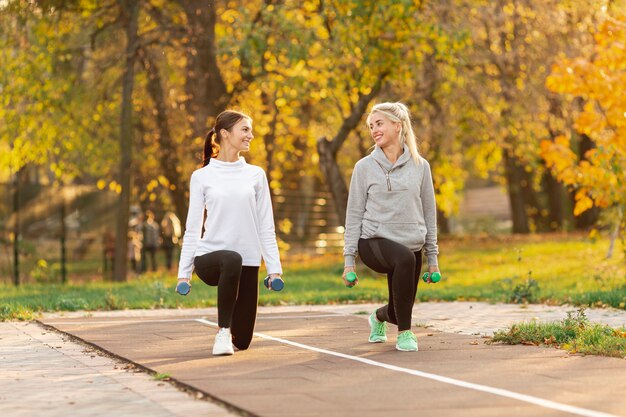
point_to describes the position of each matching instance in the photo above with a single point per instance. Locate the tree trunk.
(16, 230)
(207, 95)
(589, 218)
(533, 205)
(168, 156)
(443, 223)
(333, 177)
(269, 139)
(557, 196)
(327, 150)
(515, 182)
(556, 191)
(130, 12)
(438, 138)
(63, 239)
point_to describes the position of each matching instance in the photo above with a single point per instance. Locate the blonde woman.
(391, 219)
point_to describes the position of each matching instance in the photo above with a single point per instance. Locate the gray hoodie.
(392, 201)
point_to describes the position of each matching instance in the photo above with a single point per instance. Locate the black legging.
(237, 292)
(403, 269)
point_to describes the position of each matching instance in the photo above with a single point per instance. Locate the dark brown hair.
(225, 120)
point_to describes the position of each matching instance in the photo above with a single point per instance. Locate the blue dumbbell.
(277, 283)
(183, 288)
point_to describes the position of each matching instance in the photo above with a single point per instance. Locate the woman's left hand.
(272, 276)
(431, 269)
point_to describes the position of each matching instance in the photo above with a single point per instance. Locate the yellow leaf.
(583, 204)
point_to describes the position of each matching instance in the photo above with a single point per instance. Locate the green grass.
(555, 269)
(574, 334)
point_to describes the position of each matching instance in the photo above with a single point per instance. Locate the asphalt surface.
(308, 361)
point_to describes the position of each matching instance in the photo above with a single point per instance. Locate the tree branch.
(353, 119)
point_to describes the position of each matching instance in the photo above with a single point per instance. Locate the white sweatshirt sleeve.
(267, 233)
(193, 228)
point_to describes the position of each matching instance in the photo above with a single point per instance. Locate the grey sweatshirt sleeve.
(430, 215)
(357, 196)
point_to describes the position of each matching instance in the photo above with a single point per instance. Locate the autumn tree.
(365, 45)
(441, 115)
(513, 44)
(51, 123)
(45, 117)
(599, 81)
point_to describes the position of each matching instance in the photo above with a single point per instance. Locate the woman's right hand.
(345, 272)
(187, 280)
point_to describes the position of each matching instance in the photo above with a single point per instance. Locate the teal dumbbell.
(350, 277)
(434, 277)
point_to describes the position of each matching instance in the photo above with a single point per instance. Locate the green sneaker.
(378, 329)
(407, 341)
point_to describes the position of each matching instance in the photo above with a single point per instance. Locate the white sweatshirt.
(239, 216)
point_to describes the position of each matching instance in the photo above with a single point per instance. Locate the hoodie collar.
(381, 158)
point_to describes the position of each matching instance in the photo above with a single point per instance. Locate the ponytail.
(211, 148)
(407, 135)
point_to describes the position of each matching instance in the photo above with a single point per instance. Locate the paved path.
(46, 374)
(54, 375)
(471, 318)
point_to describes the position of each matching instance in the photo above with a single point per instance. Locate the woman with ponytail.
(391, 219)
(238, 230)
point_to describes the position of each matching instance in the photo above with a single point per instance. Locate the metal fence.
(53, 223)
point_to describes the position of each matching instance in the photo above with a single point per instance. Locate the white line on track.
(470, 385)
(313, 316)
(146, 320)
(113, 321)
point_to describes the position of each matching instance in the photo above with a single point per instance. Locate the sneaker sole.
(223, 352)
(406, 350)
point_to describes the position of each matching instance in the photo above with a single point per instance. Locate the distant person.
(238, 230)
(134, 250)
(391, 219)
(108, 250)
(170, 236)
(151, 241)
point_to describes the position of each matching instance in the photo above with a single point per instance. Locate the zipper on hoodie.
(386, 172)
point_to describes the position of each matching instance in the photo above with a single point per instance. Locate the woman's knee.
(404, 258)
(231, 259)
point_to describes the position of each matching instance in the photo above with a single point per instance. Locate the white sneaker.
(223, 342)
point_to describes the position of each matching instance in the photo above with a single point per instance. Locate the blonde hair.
(399, 113)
